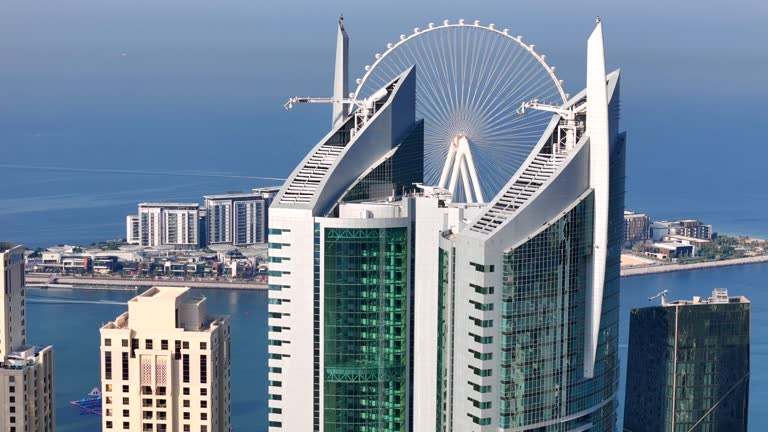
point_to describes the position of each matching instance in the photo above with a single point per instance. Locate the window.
(481, 306)
(187, 416)
(107, 342)
(124, 343)
(126, 389)
(203, 392)
(185, 345)
(203, 404)
(125, 366)
(164, 344)
(185, 369)
(186, 403)
(109, 424)
(148, 344)
(185, 391)
(481, 356)
(203, 345)
(203, 416)
(203, 369)
(107, 365)
(481, 289)
(482, 339)
(108, 387)
(482, 323)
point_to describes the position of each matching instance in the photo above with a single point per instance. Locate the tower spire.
(340, 76)
(599, 179)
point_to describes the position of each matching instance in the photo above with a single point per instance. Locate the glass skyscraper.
(688, 366)
(394, 308)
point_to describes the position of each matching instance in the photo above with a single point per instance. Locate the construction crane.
(365, 107)
(567, 135)
(662, 295)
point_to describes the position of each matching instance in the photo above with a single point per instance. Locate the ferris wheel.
(471, 80)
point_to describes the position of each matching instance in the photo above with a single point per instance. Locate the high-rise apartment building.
(165, 365)
(394, 308)
(688, 366)
(238, 219)
(173, 224)
(27, 390)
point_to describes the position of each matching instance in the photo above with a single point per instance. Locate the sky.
(200, 85)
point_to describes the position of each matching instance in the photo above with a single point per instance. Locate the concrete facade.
(27, 388)
(165, 365)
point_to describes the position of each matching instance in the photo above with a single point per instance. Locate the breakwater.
(664, 268)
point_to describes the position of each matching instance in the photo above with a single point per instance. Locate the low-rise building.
(697, 243)
(665, 251)
(682, 227)
(165, 365)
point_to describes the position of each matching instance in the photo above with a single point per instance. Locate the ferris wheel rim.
(379, 57)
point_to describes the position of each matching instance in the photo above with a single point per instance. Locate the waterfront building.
(173, 224)
(688, 365)
(683, 227)
(669, 250)
(238, 219)
(132, 229)
(637, 227)
(165, 365)
(27, 389)
(395, 307)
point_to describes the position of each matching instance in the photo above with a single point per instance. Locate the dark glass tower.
(688, 366)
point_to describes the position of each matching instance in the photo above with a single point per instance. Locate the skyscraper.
(529, 287)
(165, 365)
(688, 365)
(27, 390)
(430, 314)
(340, 274)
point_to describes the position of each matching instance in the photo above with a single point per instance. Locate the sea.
(69, 319)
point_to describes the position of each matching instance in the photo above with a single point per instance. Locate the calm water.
(73, 328)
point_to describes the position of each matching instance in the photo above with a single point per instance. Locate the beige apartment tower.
(165, 365)
(26, 372)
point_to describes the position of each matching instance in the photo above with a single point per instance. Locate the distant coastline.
(665, 268)
(105, 283)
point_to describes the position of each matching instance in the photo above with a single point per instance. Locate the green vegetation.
(722, 247)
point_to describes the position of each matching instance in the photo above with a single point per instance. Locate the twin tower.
(394, 308)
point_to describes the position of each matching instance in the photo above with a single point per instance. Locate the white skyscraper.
(27, 389)
(396, 306)
(165, 365)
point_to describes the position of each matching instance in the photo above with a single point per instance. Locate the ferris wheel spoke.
(470, 81)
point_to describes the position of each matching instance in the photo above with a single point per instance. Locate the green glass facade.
(688, 368)
(365, 329)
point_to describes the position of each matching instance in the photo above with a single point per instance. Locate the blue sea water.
(70, 319)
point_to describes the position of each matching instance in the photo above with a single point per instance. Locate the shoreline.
(114, 284)
(43, 281)
(666, 268)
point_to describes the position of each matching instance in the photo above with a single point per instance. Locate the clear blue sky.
(200, 84)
